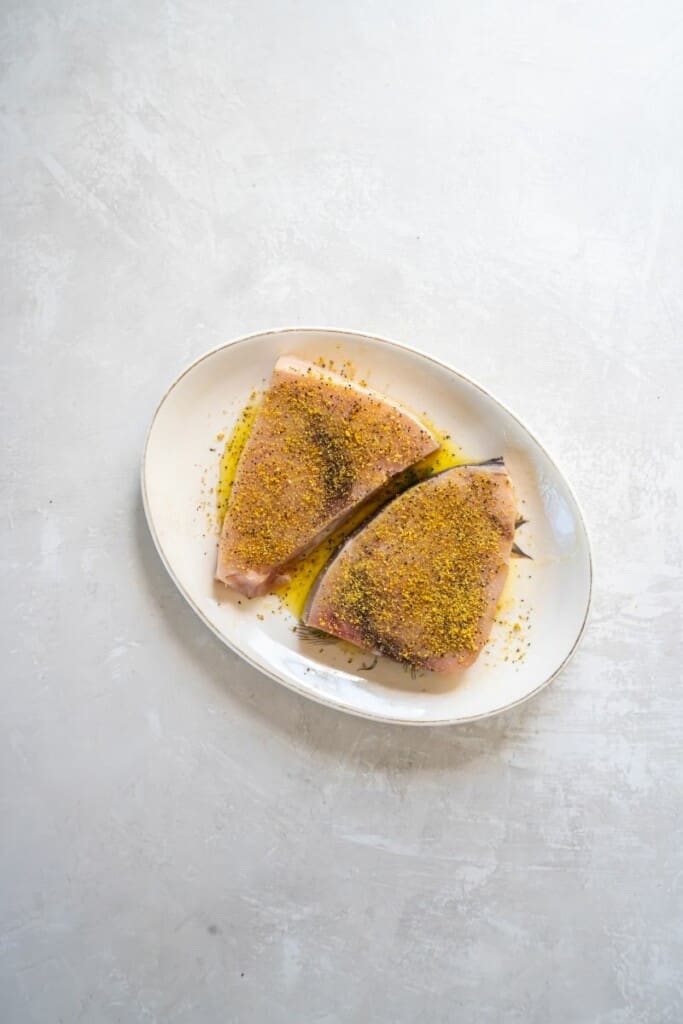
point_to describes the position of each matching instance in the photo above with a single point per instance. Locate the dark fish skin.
(403, 640)
(518, 553)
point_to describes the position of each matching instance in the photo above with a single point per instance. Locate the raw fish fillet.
(320, 445)
(420, 582)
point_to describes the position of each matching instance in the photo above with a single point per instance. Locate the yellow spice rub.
(319, 445)
(294, 592)
(421, 581)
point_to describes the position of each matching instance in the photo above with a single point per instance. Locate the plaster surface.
(499, 184)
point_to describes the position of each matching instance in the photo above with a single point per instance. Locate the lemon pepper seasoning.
(319, 445)
(417, 585)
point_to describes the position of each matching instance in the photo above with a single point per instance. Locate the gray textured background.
(499, 183)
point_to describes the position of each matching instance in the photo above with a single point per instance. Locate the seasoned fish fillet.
(421, 581)
(320, 445)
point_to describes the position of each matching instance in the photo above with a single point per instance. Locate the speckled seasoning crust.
(320, 445)
(421, 581)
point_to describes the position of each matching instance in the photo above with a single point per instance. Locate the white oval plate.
(545, 603)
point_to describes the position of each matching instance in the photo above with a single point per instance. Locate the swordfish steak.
(421, 581)
(320, 445)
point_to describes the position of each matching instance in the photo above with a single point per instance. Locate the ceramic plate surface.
(545, 602)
